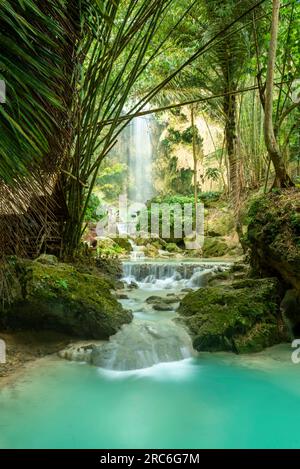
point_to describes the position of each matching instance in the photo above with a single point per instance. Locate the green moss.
(60, 297)
(213, 247)
(227, 317)
(274, 235)
(172, 247)
(123, 243)
(220, 223)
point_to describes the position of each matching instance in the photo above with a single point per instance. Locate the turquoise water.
(214, 401)
(211, 401)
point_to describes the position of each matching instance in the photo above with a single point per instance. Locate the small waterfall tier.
(170, 274)
(143, 344)
(159, 337)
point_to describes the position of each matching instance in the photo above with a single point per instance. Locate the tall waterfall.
(140, 160)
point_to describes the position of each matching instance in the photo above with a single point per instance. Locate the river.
(150, 390)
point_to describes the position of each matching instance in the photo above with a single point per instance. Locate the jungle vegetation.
(77, 72)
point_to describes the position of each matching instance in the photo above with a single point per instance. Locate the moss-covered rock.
(220, 223)
(123, 243)
(47, 259)
(172, 247)
(59, 297)
(106, 243)
(150, 250)
(110, 267)
(241, 317)
(214, 247)
(274, 236)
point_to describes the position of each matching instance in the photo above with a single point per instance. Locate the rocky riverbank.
(256, 306)
(26, 347)
(53, 303)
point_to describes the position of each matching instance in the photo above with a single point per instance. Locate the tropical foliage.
(77, 72)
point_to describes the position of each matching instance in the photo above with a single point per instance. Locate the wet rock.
(124, 243)
(121, 296)
(162, 307)
(153, 299)
(75, 352)
(170, 299)
(214, 247)
(273, 236)
(151, 251)
(132, 285)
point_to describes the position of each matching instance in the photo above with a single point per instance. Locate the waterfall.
(152, 275)
(140, 160)
(143, 344)
(137, 252)
(153, 336)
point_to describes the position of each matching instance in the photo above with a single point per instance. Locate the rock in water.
(241, 317)
(143, 344)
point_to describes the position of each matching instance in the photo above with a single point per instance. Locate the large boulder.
(241, 317)
(59, 297)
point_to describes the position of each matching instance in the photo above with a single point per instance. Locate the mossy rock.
(214, 247)
(241, 317)
(63, 299)
(106, 243)
(274, 236)
(150, 251)
(123, 243)
(47, 259)
(221, 224)
(172, 247)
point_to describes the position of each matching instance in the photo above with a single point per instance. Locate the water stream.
(147, 389)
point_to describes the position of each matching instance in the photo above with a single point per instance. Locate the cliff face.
(274, 242)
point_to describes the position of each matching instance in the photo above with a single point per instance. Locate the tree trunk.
(231, 145)
(282, 179)
(195, 159)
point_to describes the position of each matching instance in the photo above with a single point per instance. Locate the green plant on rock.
(62, 283)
